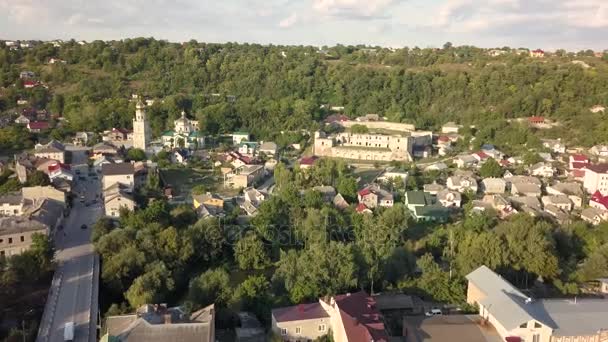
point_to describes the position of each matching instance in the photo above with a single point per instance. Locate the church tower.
(141, 128)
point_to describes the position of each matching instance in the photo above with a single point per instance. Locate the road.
(73, 295)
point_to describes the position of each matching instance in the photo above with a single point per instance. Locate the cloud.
(352, 9)
(291, 20)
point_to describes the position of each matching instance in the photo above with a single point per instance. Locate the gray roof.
(525, 188)
(568, 188)
(269, 145)
(566, 317)
(12, 198)
(117, 169)
(19, 224)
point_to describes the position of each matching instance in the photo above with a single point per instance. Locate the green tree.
(490, 168)
(250, 253)
(136, 154)
(213, 286)
(359, 129)
(151, 287)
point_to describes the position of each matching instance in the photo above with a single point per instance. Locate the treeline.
(265, 89)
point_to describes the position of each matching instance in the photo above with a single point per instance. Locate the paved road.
(73, 296)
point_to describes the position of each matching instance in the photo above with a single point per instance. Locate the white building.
(462, 183)
(185, 134)
(141, 128)
(596, 179)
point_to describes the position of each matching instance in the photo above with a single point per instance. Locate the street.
(73, 295)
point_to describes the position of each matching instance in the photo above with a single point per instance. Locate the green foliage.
(151, 287)
(136, 154)
(359, 129)
(490, 168)
(38, 178)
(213, 286)
(250, 253)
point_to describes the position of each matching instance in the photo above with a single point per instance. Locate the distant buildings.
(596, 179)
(538, 53)
(185, 134)
(424, 207)
(141, 128)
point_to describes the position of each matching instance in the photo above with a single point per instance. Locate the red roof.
(299, 312)
(578, 173)
(505, 162)
(579, 158)
(362, 320)
(38, 125)
(538, 51)
(513, 339)
(58, 166)
(443, 138)
(308, 160)
(536, 119)
(482, 155)
(336, 117)
(578, 165)
(30, 83)
(598, 168)
(361, 208)
(600, 199)
(364, 192)
(121, 130)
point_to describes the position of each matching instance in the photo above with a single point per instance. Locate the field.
(182, 180)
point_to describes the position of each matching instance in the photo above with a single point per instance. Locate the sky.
(546, 24)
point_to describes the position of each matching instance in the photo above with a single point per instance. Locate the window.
(322, 327)
(536, 338)
(298, 330)
(22, 238)
(525, 325)
(283, 331)
(537, 325)
(10, 240)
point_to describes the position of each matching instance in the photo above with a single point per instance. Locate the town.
(155, 221)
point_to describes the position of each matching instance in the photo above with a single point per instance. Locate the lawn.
(367, 174)
(183, 180)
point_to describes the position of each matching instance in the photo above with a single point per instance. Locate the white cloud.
(291, 20)
(352, 8)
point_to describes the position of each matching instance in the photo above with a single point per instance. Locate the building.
(185, 134)
(433, 188)
(37, 126)
(573, 190)
(465, 160)
(594, 216)
(104, 149)
(423, 207)
(251, 201)
(526, 189)
(16, 234)
(373, 196)
(248, 148)
(462, 183)
(158, 323)
(269, 148)
(449, 198)
(555, 145)
(115, 198)
(141, 128)
(599, 201)
(340, 202)
(244, 176)
(12, 204)
(450, 128)
(22, 120)
(328, 193)
(599, 150)
(394, 176)
(560, 201)
(517, 317)
(596, 179)
(349, 317)
(208, 204)
(542, 170)
(356, 146)
(49, 192)
(307, 162)
(58, 170)
(237, 137)
(538, 53)
(603, 285)
(122, 173)
(118, 137)
(493, 185)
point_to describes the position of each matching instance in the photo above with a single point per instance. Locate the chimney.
(168, 318)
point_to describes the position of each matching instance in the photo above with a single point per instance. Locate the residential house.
(59, 170)
(327, 192)
(542, 170)
(269, 148)
(500, 204)
(394, 176)
(523, 179)
(462, 183)
(526, 189)
(362, 209)
(156, 323)
(340, 202)
(208, 204)
(528, 204)
(560, 201)
(373, 196)
(594, 216)
(599, 201)
(123, 173)
(433, 188)
(116, 197)
(248, 148)
(12, 204)
(24, 75)
(307, 162)
(99, 162)
(465, 160)
(22, 120)
(349, 317)
(518, 317)
(596, 179)
(47, 192)
(179, 157)
(555, 145)
(82, 138)
(104, 149)
(599, 150)
(450, 127)
(573, 190)
(423, 207)
(480, 157)
(449, 198)
(16, 234)
(491, 151)
(439, 166)
(118, 137)
(244, 176)
(493, 185)
(538, 53)
(37, 126)
(252, 200)
(237, 137)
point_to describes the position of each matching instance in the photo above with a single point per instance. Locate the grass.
(367, 175)
(183, 180)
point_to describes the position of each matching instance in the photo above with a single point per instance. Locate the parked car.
(433, 312)
(84, 226)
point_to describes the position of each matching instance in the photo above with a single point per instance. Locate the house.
(24, 75)
(156, 323)
(542, 170)
(244, 176)
(449, 198)
(115, 198)
(599, 201)
(22, 120)
(526, 189)
(596, 179)
(439, 166)
(518, 317)
(573, 190)
(528, 204)
(462, 183)
(252, 200)
(603, 285)
(123, 173)
(269, 148)
(560, 201)
(43, 192)
(577, 161)
(340, 202)
(37, 126)
(248, 148)
(179, 157)
(104, 149)
(82, 138)
(184, 135)
(433, 188)
(327, 192)
(16, 234)
(362, 209)
(349, 317)
(493, 185)
(60, 170)
(373, 196)
(13, 204)
(118, 137)
(465, 160)
(237, 137)
(208, 204)
(450, 127)
(599, 150)
(480, 156)
(307, 162)
(594, 216)
(597, 109)
(554, 145)
(394, 176)
(500, 204)
(53, 150)
(423, 207)
(538, 53)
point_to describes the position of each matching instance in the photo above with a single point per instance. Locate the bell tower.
(141, 127)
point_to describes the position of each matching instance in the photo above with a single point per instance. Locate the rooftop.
(299, 312)
(19, 224)
(117, 169)
(598, 168)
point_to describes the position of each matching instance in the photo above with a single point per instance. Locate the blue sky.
(547, 24)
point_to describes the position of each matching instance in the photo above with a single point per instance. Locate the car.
(84, 226)
(433, 312)
(77, 172)
(81, 178)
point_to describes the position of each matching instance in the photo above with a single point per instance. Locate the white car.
(433, 312)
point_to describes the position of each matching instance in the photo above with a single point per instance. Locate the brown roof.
(299, 312)
(362, 320)
(598, 168)
(117, 169)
